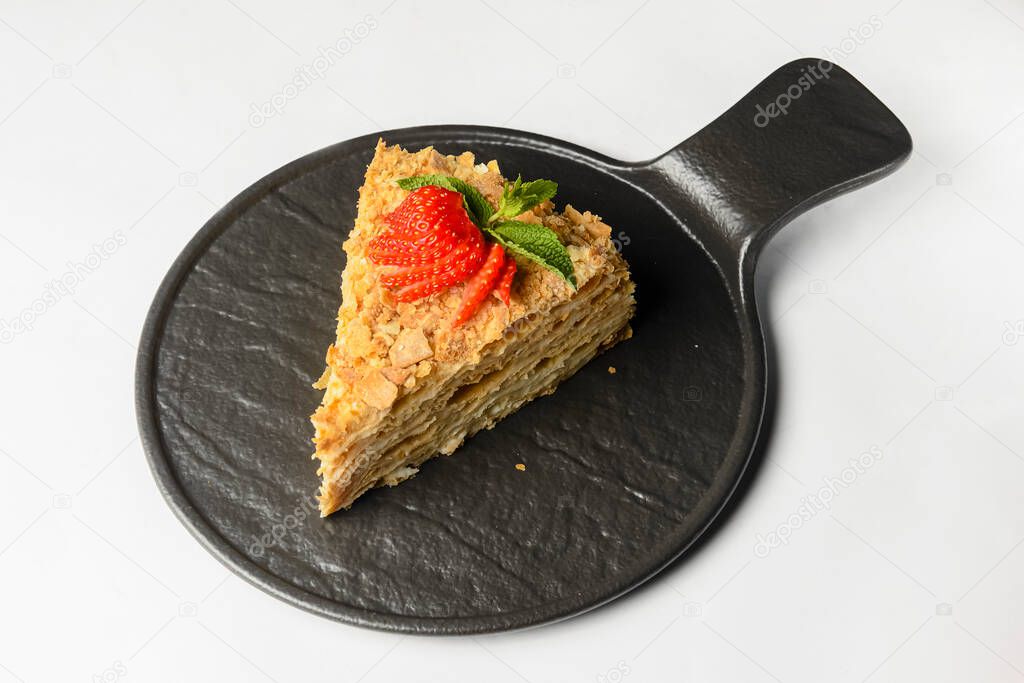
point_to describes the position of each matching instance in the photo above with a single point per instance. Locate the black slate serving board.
(624, 471)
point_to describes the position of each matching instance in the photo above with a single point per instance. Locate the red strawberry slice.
(426, 226)
(387, 249)
(454, 268)
(420, 289)
(481, 284)
(508, 273)
(427, 203)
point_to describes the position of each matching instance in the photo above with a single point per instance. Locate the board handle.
(807, 133)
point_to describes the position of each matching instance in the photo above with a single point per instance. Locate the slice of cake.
(464, 296)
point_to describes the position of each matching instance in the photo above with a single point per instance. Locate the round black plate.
(624, 471)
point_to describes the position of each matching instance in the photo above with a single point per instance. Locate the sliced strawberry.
(508, 273)
(427, 209)
(387, 249)
(463, 261)
(420, 289)
(481, 284)
(426, 226)
(417, 201)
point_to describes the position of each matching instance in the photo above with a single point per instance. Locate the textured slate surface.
(623, 471)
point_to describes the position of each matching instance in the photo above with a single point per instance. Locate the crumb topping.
(410, 347)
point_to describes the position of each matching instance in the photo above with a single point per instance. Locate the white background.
(897, 314)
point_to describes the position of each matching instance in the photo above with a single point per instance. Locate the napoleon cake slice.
(464, 297)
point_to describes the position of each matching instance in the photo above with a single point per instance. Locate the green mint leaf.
(477, 206)
(518, 197)
(536, 243)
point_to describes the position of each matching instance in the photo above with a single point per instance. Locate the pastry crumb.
(521, 467)
(612, 370)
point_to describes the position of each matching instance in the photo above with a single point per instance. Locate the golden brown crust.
(385, 349)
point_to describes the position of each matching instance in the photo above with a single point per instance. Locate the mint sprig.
(537, 243)
(528, 240)
(519, 197)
